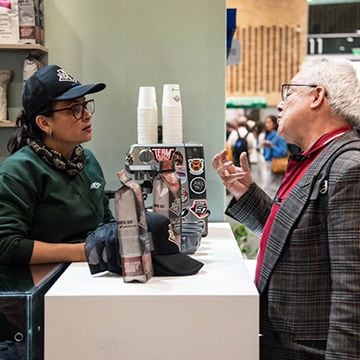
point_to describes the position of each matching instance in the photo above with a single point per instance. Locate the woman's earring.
(50, 133)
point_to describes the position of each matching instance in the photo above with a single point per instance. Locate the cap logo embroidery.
(65, 76)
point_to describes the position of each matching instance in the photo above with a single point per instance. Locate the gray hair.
(339, 78)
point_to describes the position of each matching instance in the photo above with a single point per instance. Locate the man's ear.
(44, 123)
(319, 95)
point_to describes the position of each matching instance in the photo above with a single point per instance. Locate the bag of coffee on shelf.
(31, 66)
(9, 22)
(133, 235)
(167, 198)
(27, 24)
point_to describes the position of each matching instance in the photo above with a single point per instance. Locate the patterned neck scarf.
(52, 157)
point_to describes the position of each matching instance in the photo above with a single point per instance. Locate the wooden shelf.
(8, 124)
(23, 47)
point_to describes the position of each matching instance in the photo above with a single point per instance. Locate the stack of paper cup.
(147, 121)
(172, 114)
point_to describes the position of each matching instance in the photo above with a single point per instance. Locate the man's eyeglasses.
(78, 109)
(286, 88)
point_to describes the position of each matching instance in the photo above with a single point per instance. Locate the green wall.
(132, 43)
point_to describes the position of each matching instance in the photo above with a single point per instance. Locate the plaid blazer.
(310, 279)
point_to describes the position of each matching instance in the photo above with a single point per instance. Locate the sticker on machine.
(197, 185)
(199, 208)
(178, 159)
(196, 166)
(184, 195)
(184, 212)
(161, 154)
(182, 176)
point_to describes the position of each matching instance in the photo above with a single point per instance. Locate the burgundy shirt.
(297, 166)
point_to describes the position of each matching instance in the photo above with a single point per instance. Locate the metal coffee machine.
(143, 162)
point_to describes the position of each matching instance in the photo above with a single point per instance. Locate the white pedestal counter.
(213, 315)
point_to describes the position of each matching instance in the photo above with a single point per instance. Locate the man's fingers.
(215, 161)
(244, 163)
(218, 159)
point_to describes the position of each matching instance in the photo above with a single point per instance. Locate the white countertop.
(211, 315)
(224, 273)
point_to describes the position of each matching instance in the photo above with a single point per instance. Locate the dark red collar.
(319, 144)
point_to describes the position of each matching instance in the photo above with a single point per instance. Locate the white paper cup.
(146, 111)
(172, 141)
(172, 130)
(147, 97)
(146, 139)
(147, 124)
(171, 95)
(147, 136)
(171, 111)
(176, 120)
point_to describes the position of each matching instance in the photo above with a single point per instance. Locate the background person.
(51, 189)
(242, 131)
(273, 145)
(308, 265)
(230, 126)
(259, 170)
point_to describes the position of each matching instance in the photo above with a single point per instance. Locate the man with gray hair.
(308, 266)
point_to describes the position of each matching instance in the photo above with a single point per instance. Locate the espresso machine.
(143, 161)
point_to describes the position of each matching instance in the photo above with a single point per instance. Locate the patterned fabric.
(310, 280)
(293, 175)
(52, 157)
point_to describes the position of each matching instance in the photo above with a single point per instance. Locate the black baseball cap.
(102, 250)
(53, 83)
(166, 256)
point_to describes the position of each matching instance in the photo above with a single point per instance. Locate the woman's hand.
(236, 179)
(267, 143)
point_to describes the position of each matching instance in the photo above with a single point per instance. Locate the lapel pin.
(95, 185)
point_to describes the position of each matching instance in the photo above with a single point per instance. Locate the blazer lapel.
(293, 207)
(284, 222)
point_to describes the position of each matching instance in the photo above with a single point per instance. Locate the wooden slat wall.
(270, 52)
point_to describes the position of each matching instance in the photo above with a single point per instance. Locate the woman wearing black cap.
(51, 189)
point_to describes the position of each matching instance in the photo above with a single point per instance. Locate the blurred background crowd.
(262, 144)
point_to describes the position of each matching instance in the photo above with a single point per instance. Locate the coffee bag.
(167, 198)
(133, 235)
(9, 22)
